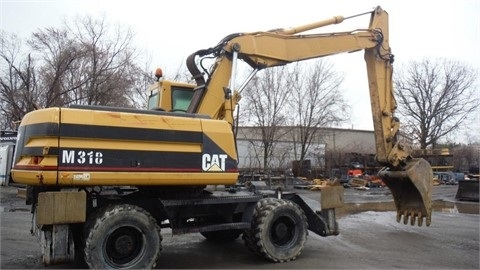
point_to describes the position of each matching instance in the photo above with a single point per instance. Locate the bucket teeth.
(414, 218)
(420, 219)
(405, 217)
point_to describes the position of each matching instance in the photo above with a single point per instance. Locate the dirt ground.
(370, 238)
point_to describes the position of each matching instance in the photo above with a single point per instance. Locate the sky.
(169, 31)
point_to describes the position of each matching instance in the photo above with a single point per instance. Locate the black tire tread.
(253, 238)
(100, 216)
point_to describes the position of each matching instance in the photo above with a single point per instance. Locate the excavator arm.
(409, 179)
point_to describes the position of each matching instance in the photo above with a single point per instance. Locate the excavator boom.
(410, 180)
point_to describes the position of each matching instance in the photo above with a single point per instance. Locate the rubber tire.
(223, 236)
(279, 230)
(130, 224)
(250, 242)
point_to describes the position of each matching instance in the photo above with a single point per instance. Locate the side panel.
(36, 151)
(98, 147)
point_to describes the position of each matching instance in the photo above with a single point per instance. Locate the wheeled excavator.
(104, 182)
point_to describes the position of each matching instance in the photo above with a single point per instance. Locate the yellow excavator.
(103, 182)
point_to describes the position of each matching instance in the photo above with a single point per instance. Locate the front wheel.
(279, 230)
(122, 236)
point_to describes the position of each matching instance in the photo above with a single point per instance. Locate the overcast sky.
(172, 30)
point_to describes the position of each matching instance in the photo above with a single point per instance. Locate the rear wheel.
(122, 236)
(279, 230)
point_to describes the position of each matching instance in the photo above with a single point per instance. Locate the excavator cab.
(169, 96)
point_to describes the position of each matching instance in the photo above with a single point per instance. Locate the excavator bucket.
(411, 187)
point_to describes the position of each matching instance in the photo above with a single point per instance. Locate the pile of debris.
(319, 184)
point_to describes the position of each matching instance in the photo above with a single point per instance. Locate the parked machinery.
(104, 181)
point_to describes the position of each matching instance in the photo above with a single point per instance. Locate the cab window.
(181, 98)
(153, 100)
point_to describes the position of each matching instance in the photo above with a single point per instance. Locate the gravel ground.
(370, 238)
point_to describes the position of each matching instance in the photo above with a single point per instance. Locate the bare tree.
(316, 102)
(108, 62)
(266, 98)
(85, 61)
(18, 82)
(465, 157)
(436, 97)
(143, 78)
(56, 51)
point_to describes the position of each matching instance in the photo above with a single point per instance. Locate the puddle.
(453, 207)
(438, 206)
(18, 209)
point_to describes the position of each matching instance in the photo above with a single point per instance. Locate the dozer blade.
(411, 187)
(468, 190)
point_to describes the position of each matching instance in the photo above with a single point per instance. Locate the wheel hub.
(283, 231)
(124, 245)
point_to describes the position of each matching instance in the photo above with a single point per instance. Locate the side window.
(153, 101)
(181, 99)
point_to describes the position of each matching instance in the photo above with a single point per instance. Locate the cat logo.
(213, 163)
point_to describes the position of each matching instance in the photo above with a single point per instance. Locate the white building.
(250, 150)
